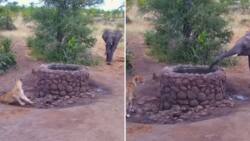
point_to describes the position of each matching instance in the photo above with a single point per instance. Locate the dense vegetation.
(129, 65)
(7, 58)
(188, 31)
(6, 22)
(63, 34)
(91, 13)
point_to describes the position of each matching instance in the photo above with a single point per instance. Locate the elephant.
(111, 38)
(241, 48)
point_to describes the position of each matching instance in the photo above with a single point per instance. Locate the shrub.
(62, 34)
(143, 4)
(6, 22)
(7, 58)
(190, 31)
(129, 66)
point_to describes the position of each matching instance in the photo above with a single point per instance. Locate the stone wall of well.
(191, 89)
(61, 82)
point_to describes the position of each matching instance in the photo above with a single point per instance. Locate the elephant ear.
(106, 35)
(117, 37)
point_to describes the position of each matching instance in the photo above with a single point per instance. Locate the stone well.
(61, 80)
(191, 86)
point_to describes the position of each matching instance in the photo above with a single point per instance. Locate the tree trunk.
(187, 28)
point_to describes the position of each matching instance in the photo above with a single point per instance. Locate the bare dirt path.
(232, 127)
(24, 63)
(99, 121)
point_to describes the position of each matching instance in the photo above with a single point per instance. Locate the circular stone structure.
(191, 86)
(61, 80)
(184, 93)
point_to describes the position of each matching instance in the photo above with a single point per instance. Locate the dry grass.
(138, 25)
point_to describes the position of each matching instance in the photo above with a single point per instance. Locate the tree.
(188, 31)
(63, 34)
(245, 5)
(6, 21)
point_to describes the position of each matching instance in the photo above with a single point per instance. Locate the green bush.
(188, 32)
(62, 34)
(143, 4)
(7, 58)
(6, 22)
(129, 66)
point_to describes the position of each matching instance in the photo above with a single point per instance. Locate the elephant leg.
(109, 57)
(249, 61)
(113, 52)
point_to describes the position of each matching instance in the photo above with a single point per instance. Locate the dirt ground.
(232, 127)
(99, 121)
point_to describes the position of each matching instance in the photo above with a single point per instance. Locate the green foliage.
(129, 3)
(62, 34)
(143, 4)
(7, 59)
(186, 32)
(27, 13)
(6, 22)
(129, 66)
(245, 4)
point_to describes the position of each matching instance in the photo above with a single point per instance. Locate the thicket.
(63, 34)
(7, 58)
(188, 31)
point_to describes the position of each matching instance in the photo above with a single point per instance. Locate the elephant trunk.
(235, 50)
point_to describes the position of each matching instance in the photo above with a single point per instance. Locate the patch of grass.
(7, 58)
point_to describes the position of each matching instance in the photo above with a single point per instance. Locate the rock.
(53, 86)
(194, 103)
(176, 108)
(55, 92)
(207, 91)
(229, 103)
(63, 93)
(201, 97)
(140, 101)
(185, 81)
(180, 120)
(195, 90)
(204, 103)
(41, 94)
(191, 95)
(184, 109)
(183, 102)
(203, 113)
(61, 87)
(198, 108)
(167, 89)
(219, 96)
(166, 106)
(67, 97)
(211, 96)
(183, 88)
(70, 102)
(175, 89)
(69, 88)
(181, 95)
(172, 95)
(178, 81)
